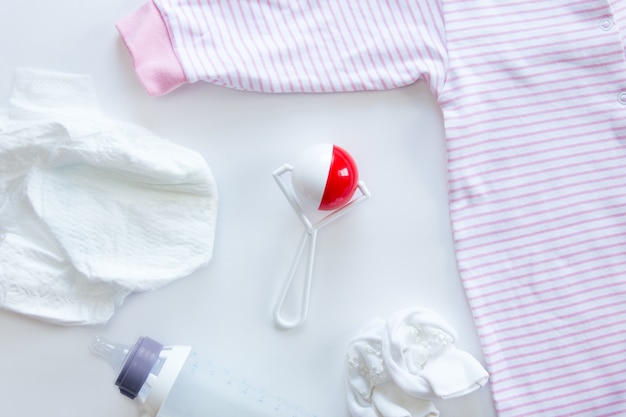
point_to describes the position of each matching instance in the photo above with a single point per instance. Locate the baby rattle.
(324, 178)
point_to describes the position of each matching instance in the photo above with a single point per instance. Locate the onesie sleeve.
(282, 46)
(146, 37)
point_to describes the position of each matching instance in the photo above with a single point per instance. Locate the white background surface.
(394, 251)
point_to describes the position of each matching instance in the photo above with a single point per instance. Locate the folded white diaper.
(92, 209)
(396, 367)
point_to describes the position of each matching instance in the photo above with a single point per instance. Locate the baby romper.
(533, 94)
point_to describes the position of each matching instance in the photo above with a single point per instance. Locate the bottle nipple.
(134, 364)
(114, 353)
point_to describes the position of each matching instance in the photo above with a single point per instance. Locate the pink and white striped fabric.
(533, 94)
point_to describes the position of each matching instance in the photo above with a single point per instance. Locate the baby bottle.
(176, 381)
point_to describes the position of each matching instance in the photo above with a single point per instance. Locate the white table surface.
(393, 251)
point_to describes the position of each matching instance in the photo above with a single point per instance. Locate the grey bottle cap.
(137, 366)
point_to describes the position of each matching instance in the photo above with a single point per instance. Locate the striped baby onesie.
(533, 94)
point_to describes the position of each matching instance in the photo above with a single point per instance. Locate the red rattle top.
(325, 177)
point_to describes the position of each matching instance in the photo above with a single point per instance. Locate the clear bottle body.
(175, 381)
(205, 390)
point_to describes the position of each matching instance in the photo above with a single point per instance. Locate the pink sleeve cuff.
(147, 39)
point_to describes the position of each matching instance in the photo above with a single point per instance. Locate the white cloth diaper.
(92, 209)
